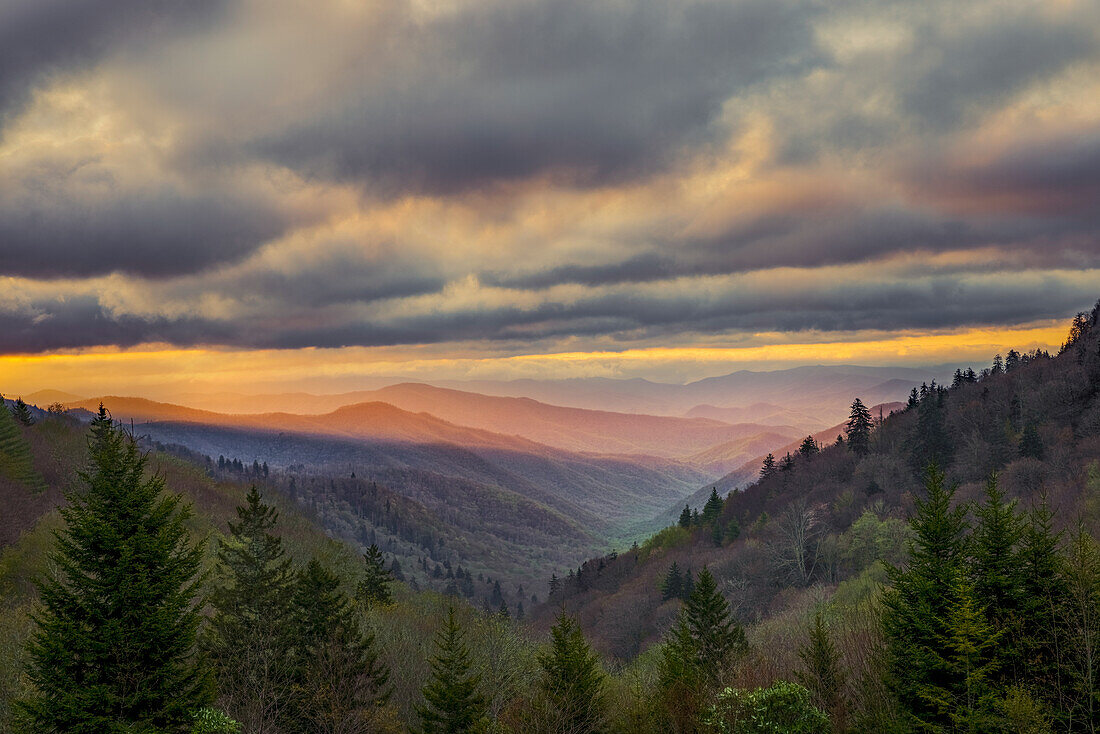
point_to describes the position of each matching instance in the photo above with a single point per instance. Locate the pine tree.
(337, 674)
(786, 464)
(452, 702)
(917, 608)
(1031, 444)
(716, 636)
(809, 447)
(858, 429)
(374, 588)
(822, 674)
(21, 412)
(672, 586)
(685, 517)
(967, 695)
(768, 468)
(997, 577)
(571, 688)
(712, 510)
(248, 636)
(114, 648)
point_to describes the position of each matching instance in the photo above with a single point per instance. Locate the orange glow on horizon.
(159, 371)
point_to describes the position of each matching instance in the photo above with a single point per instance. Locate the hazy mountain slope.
(822, 392)
(835, 515)
(763, 413)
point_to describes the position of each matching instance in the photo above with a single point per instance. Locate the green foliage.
(114, 646)
(338, 676)
(784, 708)
(248, 638)
(15, 454)
(453, 704)
(822, 673)
(673, 536)
(712, 510)
(572, 687)
(673, 585)
(374, 587)
(685, 517)
(917, 609)
(212, 721)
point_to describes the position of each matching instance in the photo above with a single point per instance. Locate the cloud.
(41, 38)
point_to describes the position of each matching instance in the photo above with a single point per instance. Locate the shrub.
(784, 708)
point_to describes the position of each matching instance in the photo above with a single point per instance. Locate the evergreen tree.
(786, 464)
(572, 684)
(1031, 444)
(1082, 633)
(859, 428)
(688, 586)
(769, 468)
(716, 636)
(931, 441)
(374, 587)
(248, 635)
(712, 510)
(967, 695)
(452, 702)
(685, 517)
(809, 447)
(917, 608)
(21, 412)
(822, 674)
(997, 577)
(718, 536)
(114, 649)
(672, 586)
(555, 585)
(338, 676)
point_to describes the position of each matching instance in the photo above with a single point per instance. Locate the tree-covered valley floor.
(850, 588)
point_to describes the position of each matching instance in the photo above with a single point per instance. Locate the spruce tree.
(452, 702)
(809, 447)
(114, 648)
(997, 577)
(859, 428)
(715, 635)
(337, 674)
(673, 583)
(822, 674)
(917, 608)
(572, 684)
(248, 635)
(374, 588)
(21, 412)
(1031, 444)
(685, 517)
(712, 510)
(768, 468)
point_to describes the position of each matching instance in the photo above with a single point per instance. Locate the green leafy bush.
(784, 708)
(212, 721)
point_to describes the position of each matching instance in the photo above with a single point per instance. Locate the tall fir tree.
(21, 412)
(374, 587)
(248, 638)
(571, 688)
(716, 636)
(1031, 443)
(685, 517)
(452, 703)
(858, 429)
(821, 673)
(712, 510)
(931, 441)
(998, 579)
(338, 678)
(114, 648)
(673, 583)
(808, 447)
(917, 607)
(768, 468)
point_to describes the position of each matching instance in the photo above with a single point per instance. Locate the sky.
(242, 193)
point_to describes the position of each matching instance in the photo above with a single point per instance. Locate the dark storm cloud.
(886, 305)
(39, 38)
(587, 92)
(82, 321)
(158, 231)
